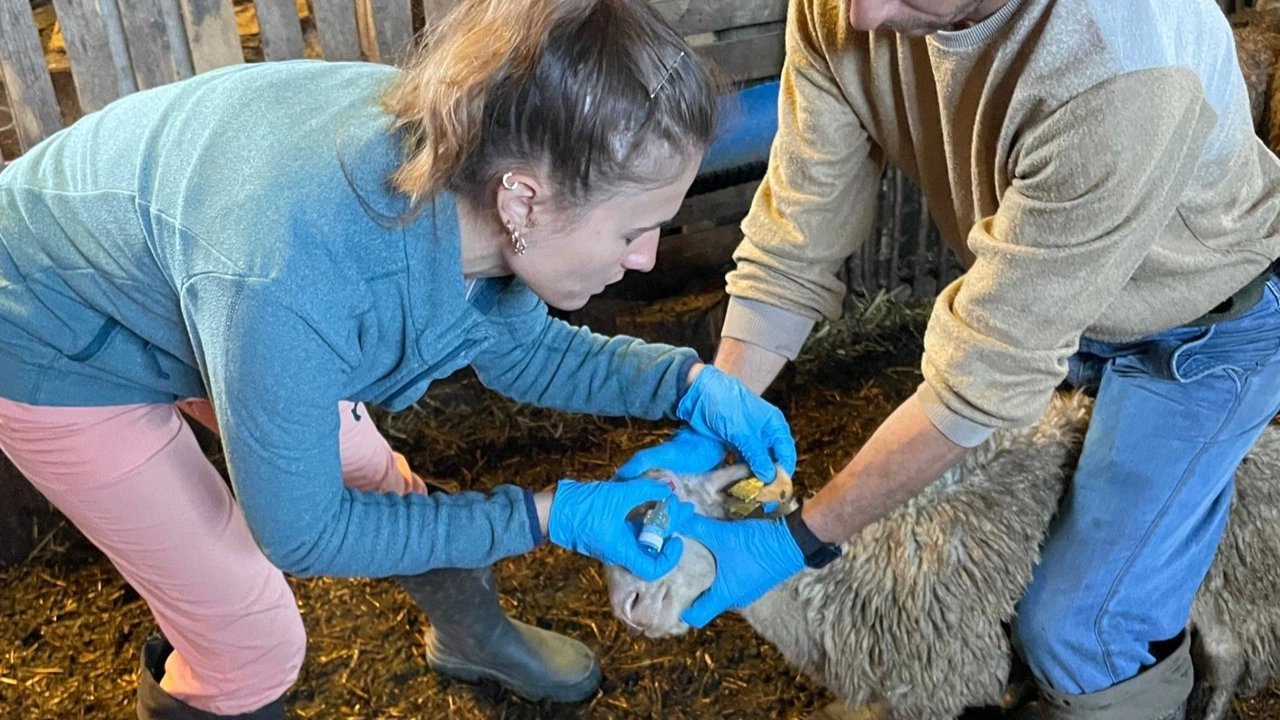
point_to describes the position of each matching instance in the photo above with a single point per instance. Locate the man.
(1093, 165)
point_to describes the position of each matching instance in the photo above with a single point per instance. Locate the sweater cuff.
(767, 326)
(682, 378)
(535, 527)
(957, 429)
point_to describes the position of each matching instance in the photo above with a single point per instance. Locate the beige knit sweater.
(1091, 162)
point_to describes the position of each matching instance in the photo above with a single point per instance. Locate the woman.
(291, 240)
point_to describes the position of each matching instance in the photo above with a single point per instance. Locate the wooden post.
(394, 22)
(118, 43)
(899, 228)
(26, 78)
(150, 48)
(336, 25)
(211, 33)
(921, 259)
(280, 29)
(367, 30)
(175, 31)
(92, 64)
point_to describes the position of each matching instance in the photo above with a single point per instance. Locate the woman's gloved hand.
(752, 557)
(590, 518)
(686, 453)
(718, 405)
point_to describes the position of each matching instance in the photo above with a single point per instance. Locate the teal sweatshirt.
(227, 237)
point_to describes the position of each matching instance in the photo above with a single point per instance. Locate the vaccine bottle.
(655, 527)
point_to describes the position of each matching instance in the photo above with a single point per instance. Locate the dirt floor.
(70, 627)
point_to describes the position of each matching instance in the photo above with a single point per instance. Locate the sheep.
(912, 621)
(1257, 36)
(1236, 643)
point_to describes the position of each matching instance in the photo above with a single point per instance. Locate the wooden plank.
(176, 30)
(690, 17)
(92, 65)
(720, 204)
(147, 35)
(336, 25)
(118, 45)
(211, 33)
(747, 58)
(26, 79)
(367, 30)
(920, 263)
(280, 29)
(394, 22)
(434, 10)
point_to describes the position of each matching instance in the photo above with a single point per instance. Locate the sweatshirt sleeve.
(1093, 183)
(538, 359)
(274, 377)
(816, 204)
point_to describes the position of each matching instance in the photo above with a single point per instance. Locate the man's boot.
(156, 704)
(1157, 693)
(472, 638)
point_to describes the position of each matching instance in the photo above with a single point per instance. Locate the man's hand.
(752, 557)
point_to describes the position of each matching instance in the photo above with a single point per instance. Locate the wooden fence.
(94, 51)
(110, 48)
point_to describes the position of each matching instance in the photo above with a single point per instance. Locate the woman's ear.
(518, 194)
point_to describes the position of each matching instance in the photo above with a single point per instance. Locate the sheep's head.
(653, 608)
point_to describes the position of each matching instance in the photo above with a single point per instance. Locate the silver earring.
(517, 240)
(507, 183)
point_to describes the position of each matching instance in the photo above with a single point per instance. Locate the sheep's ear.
(678, 483)
(663, 476)
(721, 478)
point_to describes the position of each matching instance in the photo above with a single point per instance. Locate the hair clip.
(670, 69)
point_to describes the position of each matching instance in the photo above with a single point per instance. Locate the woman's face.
(574, 255)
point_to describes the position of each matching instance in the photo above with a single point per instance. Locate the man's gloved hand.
(720, 406)
(685, 453)
(752, 557)
(591, 518)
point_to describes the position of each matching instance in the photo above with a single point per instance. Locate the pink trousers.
(133, 479)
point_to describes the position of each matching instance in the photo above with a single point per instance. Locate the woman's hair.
(590, 92)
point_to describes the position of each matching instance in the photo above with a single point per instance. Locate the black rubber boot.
(156, 704)
(471, 638)
(1157, 693)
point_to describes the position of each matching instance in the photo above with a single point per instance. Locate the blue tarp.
(748, 122)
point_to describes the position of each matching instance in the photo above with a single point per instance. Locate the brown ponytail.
(581, 88)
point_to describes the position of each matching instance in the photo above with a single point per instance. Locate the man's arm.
(752, 364)
(904, 456)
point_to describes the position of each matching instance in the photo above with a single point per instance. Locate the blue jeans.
(1139, 526)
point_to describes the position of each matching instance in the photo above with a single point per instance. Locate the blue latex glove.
(752, 557)
(685, 453)
(720, 406)
(590, 518)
